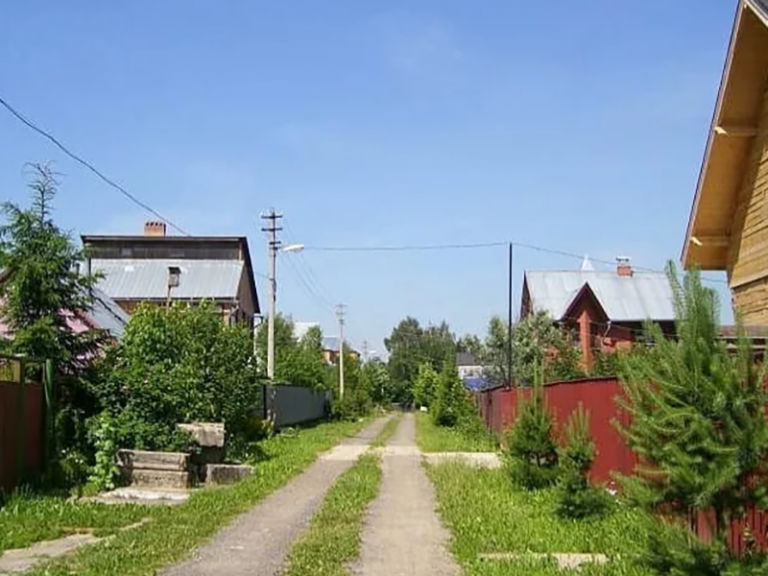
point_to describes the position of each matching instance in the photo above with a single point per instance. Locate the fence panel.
(22, 411)
(291, 405)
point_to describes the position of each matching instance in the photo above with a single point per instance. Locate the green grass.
(388, 430)
(174, 531)
(486, 514)
(433, 438)
(28, 519)
(332, 540)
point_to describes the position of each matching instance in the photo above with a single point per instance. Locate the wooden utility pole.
(274, 244)
(340, 314)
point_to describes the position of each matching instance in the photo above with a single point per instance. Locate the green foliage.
(41, 263)
(426, 385)
(174, 366)
(496, 352)
(538, 343)
(606, 364)
(698, 419)
(297, 362)
(356, 401)
(577, 499)
(105, 470)
(531, 447)
(376, 380)
(409, 346)
(451, 403)
(470, 435)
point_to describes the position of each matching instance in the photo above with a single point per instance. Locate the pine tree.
(450, 403)
(531, 446)
(698, 420)
(43, 283)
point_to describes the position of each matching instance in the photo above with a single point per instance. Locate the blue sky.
(370, 123)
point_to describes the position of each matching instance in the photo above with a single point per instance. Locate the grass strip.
(27, 518)
(387, 432)
(485, 513)
(174, 531)
(332, 539)
(433, 438)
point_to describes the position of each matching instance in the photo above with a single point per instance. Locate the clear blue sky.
(369, 123)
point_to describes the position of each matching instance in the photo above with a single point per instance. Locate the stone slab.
(143, 459)
(206, 434)
(222, 474)
(158, 478)
(23, 559)
(144, 496)
(479, 459)
(566, 561)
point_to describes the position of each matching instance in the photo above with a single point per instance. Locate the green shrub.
(531, 448)
(451, 403)
(577, 499)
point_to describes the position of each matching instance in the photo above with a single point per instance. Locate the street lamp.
(294, 248)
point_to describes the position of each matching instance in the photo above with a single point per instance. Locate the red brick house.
(602, 311)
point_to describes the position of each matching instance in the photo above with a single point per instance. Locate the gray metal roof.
(762, 6)
(148, 279)
(642, 296)
(107, 315)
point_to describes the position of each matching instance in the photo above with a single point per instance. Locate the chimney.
(154, 229)
(623, 266)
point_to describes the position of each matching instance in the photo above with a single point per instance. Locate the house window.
(594, 336)
(574, 334)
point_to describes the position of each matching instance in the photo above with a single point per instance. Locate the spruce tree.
(698, 423)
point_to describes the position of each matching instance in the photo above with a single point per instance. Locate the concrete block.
(165, 479)
(206, 434)
(227, 473)
(144, 460)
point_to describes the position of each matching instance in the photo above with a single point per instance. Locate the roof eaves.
(711, 133)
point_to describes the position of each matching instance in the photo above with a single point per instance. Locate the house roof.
(735, 120)
(642, 296)
(130, 279)
(465, 359)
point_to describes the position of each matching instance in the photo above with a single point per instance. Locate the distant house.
(602, 311)
(331, 349)
(728, 225)
(161, 269)
(471, 371)
(104, 314)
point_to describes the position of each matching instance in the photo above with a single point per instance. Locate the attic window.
(126, 252)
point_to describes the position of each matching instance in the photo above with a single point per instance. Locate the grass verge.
(387, 432)
(25, 519)
(174, 531)
(433, 438)
(486, 514)
(332, 539)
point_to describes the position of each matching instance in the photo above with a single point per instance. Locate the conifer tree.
(698, 421)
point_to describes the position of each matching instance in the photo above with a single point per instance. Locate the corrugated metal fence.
(598, 395)
(291, 405)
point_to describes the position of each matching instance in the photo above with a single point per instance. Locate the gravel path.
(257, 542)
(403, 535)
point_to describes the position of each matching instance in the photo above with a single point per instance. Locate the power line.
(479, 245)
(21, 118)
(307, 274)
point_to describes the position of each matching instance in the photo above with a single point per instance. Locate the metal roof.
(107, 315)
(642, 296)
(128, 279)
(761, 6)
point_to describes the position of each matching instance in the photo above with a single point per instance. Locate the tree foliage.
(357, 399)
(426, 385)
(298, 362)
(376, 379)
(42, 285)
(174, 366)
(451, 403)
(698, 424)
(539, 342)
(410, 345)
(531, 446)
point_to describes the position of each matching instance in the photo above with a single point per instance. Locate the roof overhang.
(734, 124)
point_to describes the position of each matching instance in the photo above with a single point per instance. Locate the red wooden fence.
(598, 396)
(21, 433)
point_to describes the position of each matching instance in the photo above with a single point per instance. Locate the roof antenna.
(586, 265)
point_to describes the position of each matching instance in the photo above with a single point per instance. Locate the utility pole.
(509, 320)
(340, 314)
(274, 244)
(365, 350)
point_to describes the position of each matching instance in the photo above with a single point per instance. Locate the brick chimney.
(623, 266)
(154, 229)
